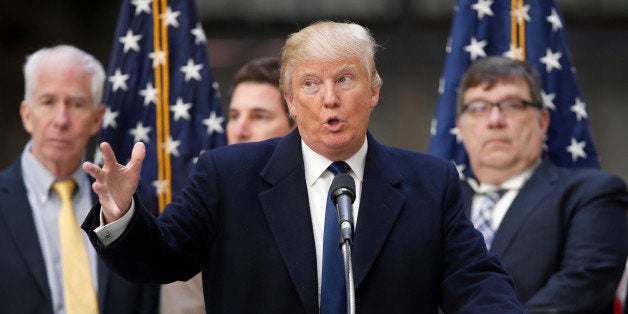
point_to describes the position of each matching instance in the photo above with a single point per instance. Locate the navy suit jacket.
(244, 220)
(563, 239)
(23, 282)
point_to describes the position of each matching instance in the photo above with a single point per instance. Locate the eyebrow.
(254, 109)
(349, 67)
(72, 96)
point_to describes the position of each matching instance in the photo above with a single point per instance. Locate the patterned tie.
(78, 287)
(482, 221)
(333, 291)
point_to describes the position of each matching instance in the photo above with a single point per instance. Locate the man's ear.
(290, 101)
(544, 120)
(98, 116)
(25, 114)
(375, 95)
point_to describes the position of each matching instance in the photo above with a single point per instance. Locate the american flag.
(161, 91)
(531, 30)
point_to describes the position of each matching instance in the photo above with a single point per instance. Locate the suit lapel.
(285, 204)
(526, 202)
(380, 206)
(468, 197)
(18, 218)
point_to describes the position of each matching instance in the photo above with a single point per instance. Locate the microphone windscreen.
(343, 184)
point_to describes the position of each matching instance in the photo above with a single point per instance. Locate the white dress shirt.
(512, 185)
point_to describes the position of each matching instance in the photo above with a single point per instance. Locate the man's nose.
(61, 113)
(496, 116)
(330, 96)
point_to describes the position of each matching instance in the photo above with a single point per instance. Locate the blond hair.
(326, 40)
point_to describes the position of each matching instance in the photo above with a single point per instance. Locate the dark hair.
(262, 70)
(494, 69)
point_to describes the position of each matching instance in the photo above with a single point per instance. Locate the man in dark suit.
(61, 111)
(560, 233)
(252, 217)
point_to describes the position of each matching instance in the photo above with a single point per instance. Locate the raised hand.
(115, 183)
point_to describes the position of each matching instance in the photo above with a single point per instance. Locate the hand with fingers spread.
(115, 183)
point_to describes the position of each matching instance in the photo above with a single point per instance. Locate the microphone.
(343, 194)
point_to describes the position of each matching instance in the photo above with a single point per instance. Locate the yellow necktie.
(78, 287)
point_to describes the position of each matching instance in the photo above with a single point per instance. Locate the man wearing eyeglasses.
(560, 233)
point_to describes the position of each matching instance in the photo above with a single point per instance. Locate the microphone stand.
(346, 239)
(346, 256)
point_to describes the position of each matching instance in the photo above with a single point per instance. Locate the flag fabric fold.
(531, 30)
(160, 91)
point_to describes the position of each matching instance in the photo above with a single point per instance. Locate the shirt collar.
(315, 164)
(39, 178)
(514, 183)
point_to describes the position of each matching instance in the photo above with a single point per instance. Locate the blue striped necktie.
(482, 221)
(333, 291)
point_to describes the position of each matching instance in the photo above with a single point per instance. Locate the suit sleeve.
(594, 256)
(168, 248)
(473, 281)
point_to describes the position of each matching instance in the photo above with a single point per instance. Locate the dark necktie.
(333, 291)
(482, 221)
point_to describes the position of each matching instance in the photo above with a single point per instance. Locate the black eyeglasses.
(508, 107)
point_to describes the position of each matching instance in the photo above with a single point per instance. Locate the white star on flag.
(173, 146)
(548, 100)
(161, 186)
(456, 132)
(98, 156)
(142, 6)
(441, 85)
(448, 45)
(109, 119)
(551, 60)
(181, 110)
(195, 159)
(576, 149)
(199, 34)
(515, 53)
(118, 80)
(522, 13)
(554, 19)
(130, 41)
(158, 57)
(191, 70)
(433, 125)
(483, 7)
(170, 17)
(140, 133)
(579, 108)
(149, 94)
(213, 123)
(476, 48)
